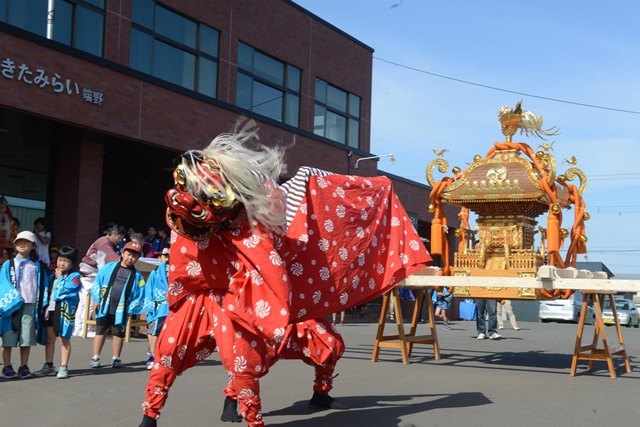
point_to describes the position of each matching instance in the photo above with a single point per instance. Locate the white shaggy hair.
(247, 168)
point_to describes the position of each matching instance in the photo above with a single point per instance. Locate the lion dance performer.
(252, 264)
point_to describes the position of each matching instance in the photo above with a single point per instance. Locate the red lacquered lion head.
(201, 202)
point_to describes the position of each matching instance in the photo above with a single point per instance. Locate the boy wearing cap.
(117, 292)
(156, 299)
(21, 329)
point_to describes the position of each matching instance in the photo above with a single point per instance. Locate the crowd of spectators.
(44, 290)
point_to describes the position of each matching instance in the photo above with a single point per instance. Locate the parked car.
(627, 311)
(565, 309)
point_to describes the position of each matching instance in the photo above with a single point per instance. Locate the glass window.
(245, 57)
(175, 27)
(336, 127)
(173, 47)
(336, 98)
(354, 132)
(263, 86)
(267, 101)
(337, 114)
(78, 23)
(207, 77)
(318, 120)
(293, 110)
(142, 12)
(321, 91)
(208, 40)
(30, 15)
(63, 22)
(3, 10)
(173, 64)
(88, 30)
(293, 78)
(354, 105)
(244, 91)
(268, 69)
(141, 48)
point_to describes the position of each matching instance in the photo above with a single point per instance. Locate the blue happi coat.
(156, 294)
(66, 292)
(131, 303)
(11, 301)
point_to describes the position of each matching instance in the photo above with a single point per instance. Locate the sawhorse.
(405, 341)
(592, 352)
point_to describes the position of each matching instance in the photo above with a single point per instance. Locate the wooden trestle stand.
(592, 352)
(405, 341)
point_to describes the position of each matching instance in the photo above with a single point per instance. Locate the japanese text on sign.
(39, 77)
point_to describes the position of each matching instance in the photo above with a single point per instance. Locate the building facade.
(96, 103)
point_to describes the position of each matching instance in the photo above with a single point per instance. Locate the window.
(337, 114)
(174, 48)
(77, 23)
(267, 86)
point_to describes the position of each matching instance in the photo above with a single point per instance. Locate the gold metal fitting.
(456, 170)
(555, 208)
(561, 179)
(431, 208)
(539, 154)
(179, 175)
(586, 216)
(477, 158)
(584, 238)
(565, 233)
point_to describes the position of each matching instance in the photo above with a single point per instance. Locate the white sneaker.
(481, 336)
(495, 336)
(94, 362)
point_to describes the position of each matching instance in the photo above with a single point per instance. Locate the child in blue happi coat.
(61, 312)
(24, 327)
(156, 300)
(117, 292)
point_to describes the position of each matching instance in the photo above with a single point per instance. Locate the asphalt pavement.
(520, 380)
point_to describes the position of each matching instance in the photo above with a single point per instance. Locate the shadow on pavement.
(127, 368)
(378, 410)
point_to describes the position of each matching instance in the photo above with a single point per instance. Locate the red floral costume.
(348, 240)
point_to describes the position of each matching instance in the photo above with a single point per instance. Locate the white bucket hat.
(26, 235)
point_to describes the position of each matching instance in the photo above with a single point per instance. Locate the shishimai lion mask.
(234, 174)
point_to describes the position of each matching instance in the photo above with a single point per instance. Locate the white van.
(565, 309)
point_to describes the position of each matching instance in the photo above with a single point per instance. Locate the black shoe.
(147, 421)
(325, 401)
(230, 411)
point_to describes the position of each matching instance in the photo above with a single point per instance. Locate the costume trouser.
(512, 317)
(188, 338)
(488, 305)
(314, 342)
(317, 344)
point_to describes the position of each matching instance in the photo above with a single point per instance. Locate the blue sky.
(585, 52)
